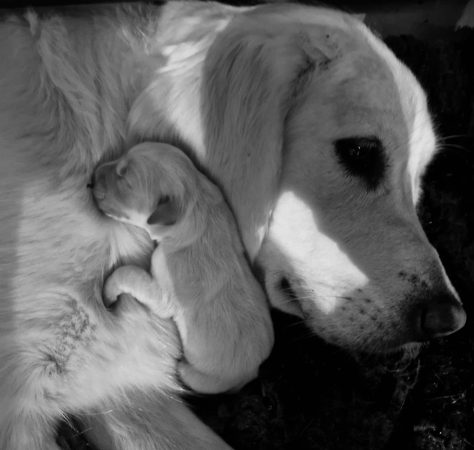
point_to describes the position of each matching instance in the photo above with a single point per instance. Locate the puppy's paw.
(111, 291)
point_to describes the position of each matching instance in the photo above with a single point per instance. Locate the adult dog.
(318, 137)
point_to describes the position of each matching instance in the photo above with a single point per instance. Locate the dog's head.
(341, 244)
(153, 186)
(319, 138)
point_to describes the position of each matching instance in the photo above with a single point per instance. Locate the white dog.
(318, 137)
(199, 275)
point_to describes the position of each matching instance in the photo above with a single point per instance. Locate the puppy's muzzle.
(100, 181)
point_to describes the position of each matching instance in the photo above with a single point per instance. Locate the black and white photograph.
(237, 225)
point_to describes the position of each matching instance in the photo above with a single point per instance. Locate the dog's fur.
(199, 275)
(264, 99)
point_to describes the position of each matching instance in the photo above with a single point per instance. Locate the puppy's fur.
(199, 275)
(267, 100)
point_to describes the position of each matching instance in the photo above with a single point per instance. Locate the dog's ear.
(253, 80)
(166, 213)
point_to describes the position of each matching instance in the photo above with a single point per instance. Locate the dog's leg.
(150, 422)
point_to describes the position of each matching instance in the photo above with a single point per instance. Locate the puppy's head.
(153, 186)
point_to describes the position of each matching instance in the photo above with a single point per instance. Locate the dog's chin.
(390, 349)
(285, 297)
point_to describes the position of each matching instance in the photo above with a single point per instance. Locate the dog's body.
(314, 131)
(199, 275)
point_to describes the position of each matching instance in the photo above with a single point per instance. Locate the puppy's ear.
(121, 168)
(166, 213)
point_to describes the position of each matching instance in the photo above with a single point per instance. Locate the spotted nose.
(440, 317)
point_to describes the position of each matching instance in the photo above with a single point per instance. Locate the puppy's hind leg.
(205, 383)
(138, 283)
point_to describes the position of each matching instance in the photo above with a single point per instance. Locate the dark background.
(314, 396)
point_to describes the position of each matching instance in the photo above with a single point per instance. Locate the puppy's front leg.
(138, 283)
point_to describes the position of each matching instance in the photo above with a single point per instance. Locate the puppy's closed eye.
(164, 200)
(166, 213)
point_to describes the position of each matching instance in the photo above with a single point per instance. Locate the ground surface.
(313, 396)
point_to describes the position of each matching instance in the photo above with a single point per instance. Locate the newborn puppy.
(199, 275)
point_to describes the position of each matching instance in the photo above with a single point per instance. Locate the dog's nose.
(441, 317)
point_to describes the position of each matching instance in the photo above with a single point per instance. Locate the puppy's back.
(224, 316)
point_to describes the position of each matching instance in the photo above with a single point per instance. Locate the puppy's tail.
(150, 422)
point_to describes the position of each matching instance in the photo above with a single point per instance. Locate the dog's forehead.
(373, 93)
(365, 97)
(369, 92)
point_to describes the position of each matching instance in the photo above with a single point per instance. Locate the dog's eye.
(362, 157)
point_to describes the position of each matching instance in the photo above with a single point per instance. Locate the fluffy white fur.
(258, 98)
(199, 276)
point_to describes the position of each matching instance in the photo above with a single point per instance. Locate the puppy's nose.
(99, 175)
(98, 181)
(441, 317)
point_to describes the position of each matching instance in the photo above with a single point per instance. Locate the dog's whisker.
(318, 283)
(453, 146)
(291, 292)
(297, 323)
(311, 298)
(306, 336)
(453, 136)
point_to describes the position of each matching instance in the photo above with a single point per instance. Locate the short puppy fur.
(199, 275)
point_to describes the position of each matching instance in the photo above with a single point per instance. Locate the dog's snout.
(440, 317)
